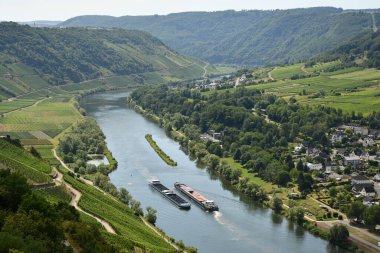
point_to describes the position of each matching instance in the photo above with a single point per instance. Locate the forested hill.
(66, 55)
(247, 37)
(363, 50)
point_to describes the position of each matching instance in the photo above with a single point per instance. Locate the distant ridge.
(247, 37)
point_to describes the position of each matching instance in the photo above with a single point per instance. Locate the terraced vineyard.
(130, 229)
(21, 161)
(350, 89)
(36, 125)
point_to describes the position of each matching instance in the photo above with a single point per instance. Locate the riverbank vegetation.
(159, 151)
(84, 139)
(247, 137)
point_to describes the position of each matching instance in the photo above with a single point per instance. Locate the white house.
(364, 190)
(314, 166)
(354, 160)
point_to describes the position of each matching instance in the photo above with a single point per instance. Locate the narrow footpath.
(270, 74)
(22, 108)
(205, 69)
(158, 233)
(76, 195)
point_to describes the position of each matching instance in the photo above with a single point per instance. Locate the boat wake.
(218, 215)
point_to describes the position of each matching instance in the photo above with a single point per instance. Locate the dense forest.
(246, 37)
(77, 54)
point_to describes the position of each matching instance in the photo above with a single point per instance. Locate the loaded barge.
(177, 200)
(206, 204)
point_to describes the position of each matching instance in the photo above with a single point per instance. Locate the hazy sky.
(27, 10)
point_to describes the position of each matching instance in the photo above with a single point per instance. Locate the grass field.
(311, 206)
(287, 72)
(364, 75)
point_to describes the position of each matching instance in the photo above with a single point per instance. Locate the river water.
(239, 226)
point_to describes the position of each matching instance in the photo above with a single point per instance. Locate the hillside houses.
(353, 160)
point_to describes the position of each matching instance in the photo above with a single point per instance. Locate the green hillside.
(246, 37)
(21, 161)
(36, 58)
(362, 50)
(17, 199)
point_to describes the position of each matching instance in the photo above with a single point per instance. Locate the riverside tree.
(338, 234)
(151, 215)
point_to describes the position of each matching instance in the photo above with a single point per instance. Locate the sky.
(28, 10)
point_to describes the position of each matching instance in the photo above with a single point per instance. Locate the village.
(349, 169)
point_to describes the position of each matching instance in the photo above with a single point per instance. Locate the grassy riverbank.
(159, 151)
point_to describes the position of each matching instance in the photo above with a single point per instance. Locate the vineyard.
(21, 161)
(130, 229)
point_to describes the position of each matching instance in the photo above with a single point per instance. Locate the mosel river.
(239, 226)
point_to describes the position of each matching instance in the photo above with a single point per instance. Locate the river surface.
(239, 226)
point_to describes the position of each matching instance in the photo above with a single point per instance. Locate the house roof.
(367, 187)
(359, 178)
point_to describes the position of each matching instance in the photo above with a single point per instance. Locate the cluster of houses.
(331, 166)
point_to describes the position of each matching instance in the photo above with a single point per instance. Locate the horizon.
(19, 10)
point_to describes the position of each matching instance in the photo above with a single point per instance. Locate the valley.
(272, 114)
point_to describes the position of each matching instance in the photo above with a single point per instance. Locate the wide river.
(239, 226)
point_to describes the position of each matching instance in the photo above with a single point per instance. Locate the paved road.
(364, 243)
(346, 221)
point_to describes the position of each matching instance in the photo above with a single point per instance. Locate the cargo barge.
(208, 205)
(177, 200)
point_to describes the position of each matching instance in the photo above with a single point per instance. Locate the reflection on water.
(241, 225)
